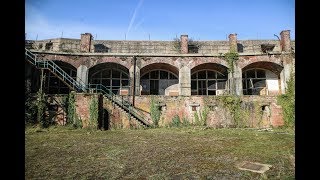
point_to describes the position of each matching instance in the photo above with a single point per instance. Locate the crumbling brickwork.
(116, 64)
(85, 45)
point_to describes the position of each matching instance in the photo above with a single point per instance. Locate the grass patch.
(162, 153)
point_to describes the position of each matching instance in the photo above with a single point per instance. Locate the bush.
(175, 121)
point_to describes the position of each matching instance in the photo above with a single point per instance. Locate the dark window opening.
(206, 82)
(155, 82)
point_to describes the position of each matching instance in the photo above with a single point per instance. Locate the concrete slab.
(254, 167)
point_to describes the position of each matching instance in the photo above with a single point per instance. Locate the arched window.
(254, 82)
(155, 82)
(113, 79)
(53, 85)
(207, 82)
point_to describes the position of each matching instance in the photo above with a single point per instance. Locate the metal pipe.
(134, 79)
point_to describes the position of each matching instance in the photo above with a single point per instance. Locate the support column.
(137, 83)
(185, 81)
(286, 56)
(82, 74)
(237, 76)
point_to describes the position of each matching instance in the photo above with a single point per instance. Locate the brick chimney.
(85, 43)
(233, 42)
(184, 44)
(285, 41)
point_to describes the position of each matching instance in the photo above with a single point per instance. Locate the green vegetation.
(201, 118)
(157, 153)
(239, 113)
(231, 57)
(94, 113)
(72, 117)
(175, 121)
(41, 109)
(155, 112)
(287, 101)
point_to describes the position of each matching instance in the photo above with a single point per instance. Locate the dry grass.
(164, 153)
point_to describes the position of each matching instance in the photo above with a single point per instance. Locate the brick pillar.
(233, 42)
(184, 81)
(85, 44)
(285, 41)
(287, 59)
(82, 74)
(184, 44)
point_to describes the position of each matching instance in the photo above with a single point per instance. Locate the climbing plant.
(72, 117)
(41, 109)
(233, 104)
(155, 112)
(94, 112)
(287, 102)
(231, 57)
(175, 121)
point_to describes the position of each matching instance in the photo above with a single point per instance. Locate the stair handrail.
(79, 85)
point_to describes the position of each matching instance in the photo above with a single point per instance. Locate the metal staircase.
(80, 86)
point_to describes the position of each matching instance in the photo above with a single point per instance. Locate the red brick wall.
(218, 116)
(82, 103)
(85, 43)
(184, 44)
(276, 115)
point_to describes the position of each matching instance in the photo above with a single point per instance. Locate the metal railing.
(80, 86)
(126, 105)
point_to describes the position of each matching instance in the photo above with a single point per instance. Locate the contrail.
(134, 15)
(138, 24)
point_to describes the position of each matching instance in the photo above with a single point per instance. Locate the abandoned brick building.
(183, 75)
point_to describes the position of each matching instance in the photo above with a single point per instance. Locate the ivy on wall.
(72, 117)
(287, 101)
(155, 112)
(231, 57)
(94, 112)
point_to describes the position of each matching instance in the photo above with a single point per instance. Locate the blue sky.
(159, 19)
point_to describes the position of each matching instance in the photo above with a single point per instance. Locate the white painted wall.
(272, 81)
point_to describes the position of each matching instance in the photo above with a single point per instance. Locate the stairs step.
(80, 86)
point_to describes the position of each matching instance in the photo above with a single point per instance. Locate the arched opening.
(261, 78)
(53, 85)
(156, 78)
(208, 79)
(112, 75)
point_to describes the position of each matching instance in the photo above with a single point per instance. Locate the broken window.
(254, 82)
(207, 82)
(155, 82)
(113, 79)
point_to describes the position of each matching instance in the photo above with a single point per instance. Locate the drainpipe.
(134, 80)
